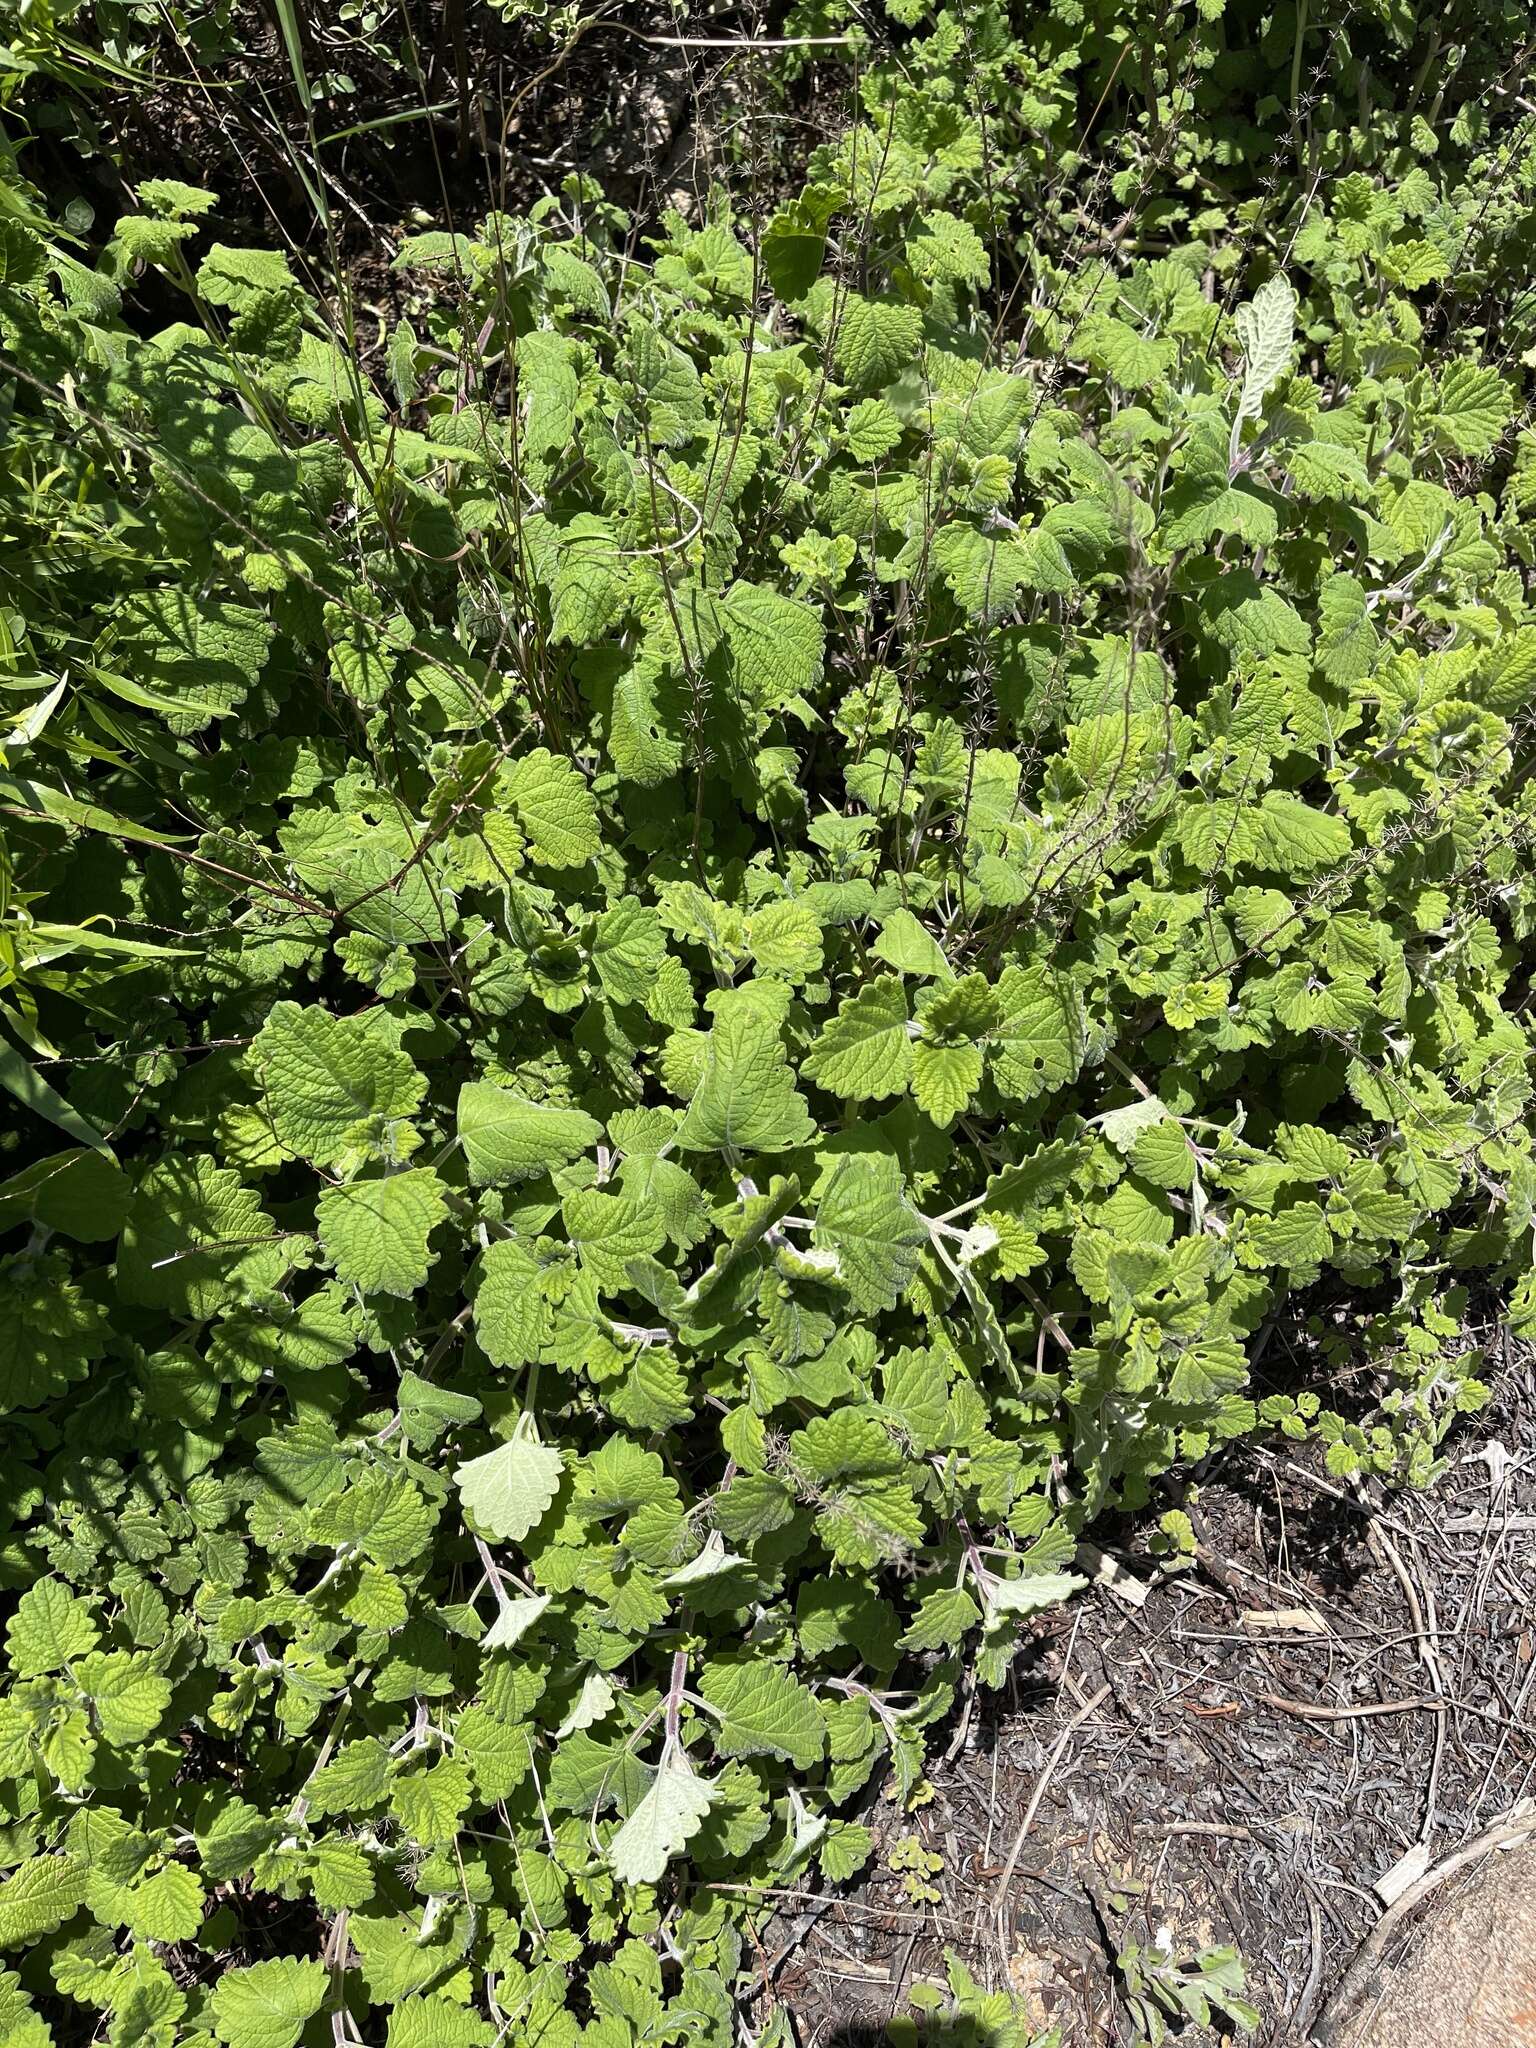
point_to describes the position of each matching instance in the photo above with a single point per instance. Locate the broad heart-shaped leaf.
(434, 2020)
(663, 1823)
(557, 811)
(430, 1803)
(194, 658)
(508, 1138)
(746, 1100)
(51, 1626)
(776, 644)
(1039, 1043)
(785, 940)
(1472, 408)
(1297, 1237)
(1201, 510)
(864, 1218)
(1292, 836)
(37, 1896)
(874, 338)
(590, 581)
(945, 1617)
(513, 1620)
(608, 1231)
(128, 1696)
(509, 1489)
(944, 1078)
(330, 1083)
(374, 1232)
(427, 1411)
(511, 1312)
(905, 943)
(763, 1710)
(983, 570)
(1206, 1371)
(1249, 617)
(267, 2005)
(628, 947)
(379, 1515)
(547, 390)
(864, 1051)
(196, 1239)
(166, 1906)
(1347, 642)
(946, 1058)
(794, 242)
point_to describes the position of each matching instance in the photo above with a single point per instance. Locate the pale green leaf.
(554, 807)
(874, 339)
(763, 1710)
(1038, 1045)
(40, 1894)
(509, 1490)
(664, 1822)
(374, 1232)
(746, 1100)
(508, 1138)
(777, 644)
(864, 1218)
(1266, 329)
(267, 2005)
(50, 1627)
(1472, 408)
(128, 1697)
(332, 1084)
(864, 1052)
(1032, 1593)
(1347, 641)
(511, 1313)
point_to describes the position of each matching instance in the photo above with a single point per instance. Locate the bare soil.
(1336, 1696)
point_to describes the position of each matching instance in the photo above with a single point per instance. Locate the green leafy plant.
(1166, 1993)
(917, 1868)
(708, 953)
(959, 2010)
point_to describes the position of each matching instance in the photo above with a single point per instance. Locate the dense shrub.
(690, 972)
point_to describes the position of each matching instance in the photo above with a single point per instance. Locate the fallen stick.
(1309, 1710)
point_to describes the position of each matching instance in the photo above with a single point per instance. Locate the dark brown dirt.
(433, 124)
(1341, 1681)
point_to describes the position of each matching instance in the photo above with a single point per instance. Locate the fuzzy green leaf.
(331, 1084)
(746, 1100)
(763, 1710)
(864, 1052)
(508, 1138)
(267, 2005)
(509, 1489)
(865, 1221)
(374, 1232)
(664, 1822)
